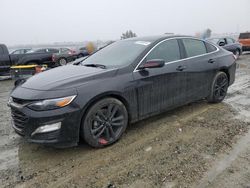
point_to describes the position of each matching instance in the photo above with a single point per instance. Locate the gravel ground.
(198, 145)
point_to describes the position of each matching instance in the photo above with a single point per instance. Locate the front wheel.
(104, 122)
(219, 88)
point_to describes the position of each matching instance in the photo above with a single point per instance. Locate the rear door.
(4, 62)
(201, 68)
(163, 88)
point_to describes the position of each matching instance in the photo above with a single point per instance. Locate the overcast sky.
(47, 21)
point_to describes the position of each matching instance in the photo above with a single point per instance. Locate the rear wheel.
(62, 61)
(219, 88)
(104, 122)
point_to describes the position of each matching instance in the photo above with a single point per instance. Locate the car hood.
(66, 77)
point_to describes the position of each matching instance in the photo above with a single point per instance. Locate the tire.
(62, 61)
(104, 123)
(237, 54)
(219, 88)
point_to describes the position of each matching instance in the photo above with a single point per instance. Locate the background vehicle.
(82, 52)
(32, 57)
(64, 56)
(7, 60)
(39, 57)
(124, 82)
(21, 51)
(228, 44)
(244, 39)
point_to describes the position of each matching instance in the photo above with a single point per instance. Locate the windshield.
(118, 54)
(244, 36)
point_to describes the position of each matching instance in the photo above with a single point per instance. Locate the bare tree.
(128, 34)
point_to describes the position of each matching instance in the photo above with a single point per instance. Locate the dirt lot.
(198, 145)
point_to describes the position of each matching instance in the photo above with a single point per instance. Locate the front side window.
(52, 50)
(41, 51)
(194, 47)
(167, 50)
(17, 52)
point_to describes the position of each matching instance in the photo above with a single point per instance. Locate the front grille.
(19, 120)
(20, 101)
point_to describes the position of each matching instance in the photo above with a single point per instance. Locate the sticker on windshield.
(145, 43)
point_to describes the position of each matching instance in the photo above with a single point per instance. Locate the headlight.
(51, 104)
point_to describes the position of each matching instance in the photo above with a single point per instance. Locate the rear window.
(210, 47)
(244, 36)
(194, 47)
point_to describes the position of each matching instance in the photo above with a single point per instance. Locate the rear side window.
(244, 36)
(210, 47)
(167, 50)
(194, 47)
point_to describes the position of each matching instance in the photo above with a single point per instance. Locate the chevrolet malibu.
(122, 83)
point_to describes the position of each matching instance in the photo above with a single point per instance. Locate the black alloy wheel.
(219, 88)
(105, 122)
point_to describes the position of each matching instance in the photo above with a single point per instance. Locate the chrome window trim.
(171, 62)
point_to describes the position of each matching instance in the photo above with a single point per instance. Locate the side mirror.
(221, 43)
(154, 63)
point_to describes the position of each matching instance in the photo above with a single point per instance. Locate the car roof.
(221, 37)
(155, 38)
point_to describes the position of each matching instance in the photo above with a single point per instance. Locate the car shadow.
(40, 150)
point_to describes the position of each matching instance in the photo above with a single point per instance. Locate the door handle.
(211, 61)
(181, 68)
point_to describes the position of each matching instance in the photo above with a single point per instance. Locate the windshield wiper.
(95, 65)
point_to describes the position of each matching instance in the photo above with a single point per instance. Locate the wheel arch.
(225, 70)
(112, 94)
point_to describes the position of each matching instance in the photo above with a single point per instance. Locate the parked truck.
(37, 57)
(7, 60)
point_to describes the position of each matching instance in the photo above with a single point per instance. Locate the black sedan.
(125, 82)
(228, 44)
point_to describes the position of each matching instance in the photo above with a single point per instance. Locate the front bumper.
(26, 121)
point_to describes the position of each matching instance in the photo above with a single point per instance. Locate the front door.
(159, 89)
